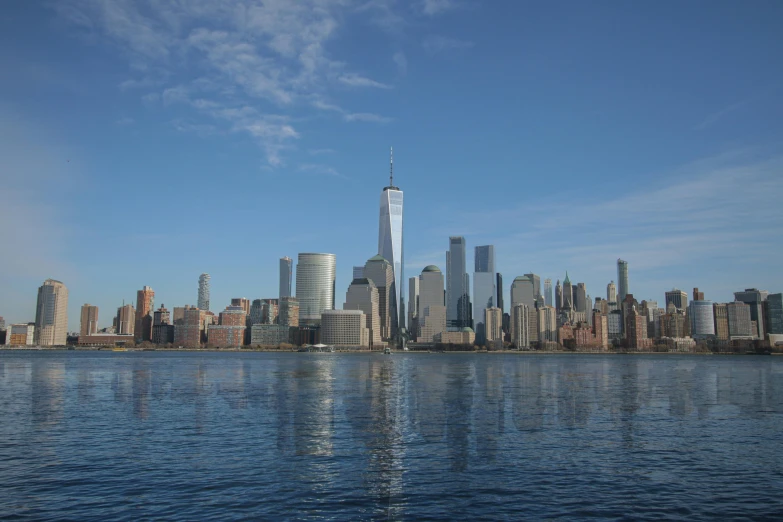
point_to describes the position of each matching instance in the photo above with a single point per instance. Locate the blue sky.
(144, 142)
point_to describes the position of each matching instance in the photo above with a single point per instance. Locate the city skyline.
(675, 172)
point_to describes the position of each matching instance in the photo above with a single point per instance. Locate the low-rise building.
(104, 339)
(344, 328)
(465, 335)
(21, 334)
(225, 335)
(269, 334)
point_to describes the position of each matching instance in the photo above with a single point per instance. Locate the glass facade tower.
(286, 271)
(622, 279)
(484, 291)
(390, 246)
(315, 278)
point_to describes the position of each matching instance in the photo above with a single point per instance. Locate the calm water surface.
(193, 436)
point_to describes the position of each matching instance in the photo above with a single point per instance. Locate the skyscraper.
(145, 305)
(580, 302)
(381, 273)
(390, 244)
(755, 299)
(702, 317)
(315, 278)
(611, 292)
(536, 284)
(773, 322)
(622, 279)
(499, 288)
(678, 298)
(89, 320)
(568, 294)
(558, 296)
(413, 304)
(548, 292)
(432, 313)
(203, 292)
(126, 320)
(484, 291)
(286, 271)
(523, 291)
(51, 314)
(362, 295)
(457, 284)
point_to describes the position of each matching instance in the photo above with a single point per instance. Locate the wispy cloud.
(713, 118)
(317, 152)
(367, 117)
(438, 44)
(435, 7)
(125, 121)
(354, 80)
(316, 168)
(402, 63)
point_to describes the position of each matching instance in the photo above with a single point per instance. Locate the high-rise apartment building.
(611, 292)
(520, 325)
(288, 314)
(126, 320)
(548, 301)
(698, 296)
(678, 298)
(381, 272)
(622, 279)
(636, 329)
(362, 295)
(315, 279)
(256, 313)
(162, 329)
(189, 326)
(390, 246)
(457, 285)
(720, 312)
(547, 324)
(242, 302)
(432, 312)
(145, 304)
(755, 299)
(203, 292)
(89, 320)
(286, 272)
(493, 325)
(740, 321)
(345, 328)
(484, 291)
(51, 314)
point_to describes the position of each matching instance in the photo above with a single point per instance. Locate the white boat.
(387, 351)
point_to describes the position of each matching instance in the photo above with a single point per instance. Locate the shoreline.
(360, 352)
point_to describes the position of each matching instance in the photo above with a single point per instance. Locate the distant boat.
(119, 350)
(387, 351)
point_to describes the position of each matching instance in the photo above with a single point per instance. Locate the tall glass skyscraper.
(622, 279)
(286, 270)
(484, 291)
(390, 245)
(548, 292)
(458, 311)
(203, 292)
(315, 277)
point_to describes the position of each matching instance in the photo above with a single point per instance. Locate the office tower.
(390, 246)
(358, 272)
(286, 271)
(288, 314)
(568, 294)
(493, 326)
(126, 320)
(702, 318)
(162, 329)
(520, 325)
(381, 272)
(484, 291)
(457, 284)
(145, 304)
(698, 296)
(548, 292)
(558, 296)
(580, 299)
(362, 295)
(547, 324)
(51, 314)
(242, 302)
(499, 288)
(89, 320)
(344, 328)
(523, 292)
(622, 279)
(432, 312)
(203, 292)
(611, 293)
(678, 298)
(413, 304)
(773, 322)
(256, 313)
(536, 284)
(755, 299)
(720, 312)
(315, 276)
(740, 321)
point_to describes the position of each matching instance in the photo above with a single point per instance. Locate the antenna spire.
(391, 166)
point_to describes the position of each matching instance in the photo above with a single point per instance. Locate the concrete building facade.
(345, 328)
(51, 314)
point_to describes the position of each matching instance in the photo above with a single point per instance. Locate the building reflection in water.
(48, 393)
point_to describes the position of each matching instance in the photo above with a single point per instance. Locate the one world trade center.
(390, 246)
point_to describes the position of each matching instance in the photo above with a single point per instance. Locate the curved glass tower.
(390, 246)
(315, 277)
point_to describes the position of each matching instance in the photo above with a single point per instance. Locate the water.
(193, 436)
